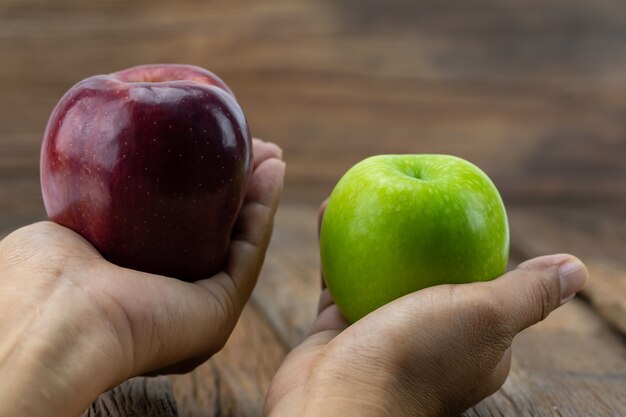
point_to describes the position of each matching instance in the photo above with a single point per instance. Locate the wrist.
(58, 358)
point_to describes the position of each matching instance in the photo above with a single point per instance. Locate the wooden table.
(533, 92)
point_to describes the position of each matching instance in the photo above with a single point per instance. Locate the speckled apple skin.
(395, 224)
(151, 166)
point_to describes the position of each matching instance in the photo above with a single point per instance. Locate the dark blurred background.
(533, 91)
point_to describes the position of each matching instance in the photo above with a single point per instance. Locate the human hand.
(435, 352)
(75, 325)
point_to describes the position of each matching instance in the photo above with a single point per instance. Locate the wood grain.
(599, 241)
(290, 282)
(137, 397)
(533, 92)
(234, 381)
(332, 86)
(572, 364)
(606, 293)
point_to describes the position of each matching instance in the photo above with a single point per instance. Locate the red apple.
(150, 165)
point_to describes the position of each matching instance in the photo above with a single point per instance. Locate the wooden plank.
(333, 87)
(137, 397)
(600, 240)
(571, 364)
(607, 294)
(233, 382)
(290, 283)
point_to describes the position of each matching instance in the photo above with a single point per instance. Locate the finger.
(328, 316)
(320, 216)
(528, 294)
(262, 151)
(159, 321)
(501, 372)
(252, 233)
(494, 381)
(179, 368)
(329, 322)
(326, 300)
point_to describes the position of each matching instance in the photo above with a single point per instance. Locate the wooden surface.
(533, 92)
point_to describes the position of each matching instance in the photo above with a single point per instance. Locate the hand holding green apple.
(434, 352)
(395, 224)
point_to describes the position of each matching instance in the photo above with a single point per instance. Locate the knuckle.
(492, 335)
(542, 295)
(20, 246)
(491, 316)
(490, 330)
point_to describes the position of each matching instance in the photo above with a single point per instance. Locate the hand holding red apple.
(83, 325)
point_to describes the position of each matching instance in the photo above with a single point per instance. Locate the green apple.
(395, 224)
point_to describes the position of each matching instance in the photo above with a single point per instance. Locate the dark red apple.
(150, 165)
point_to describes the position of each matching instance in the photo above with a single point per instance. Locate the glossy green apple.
(395, 224)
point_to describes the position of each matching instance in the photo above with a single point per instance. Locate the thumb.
(537, 287)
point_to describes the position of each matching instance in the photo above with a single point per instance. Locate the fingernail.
(573, 276)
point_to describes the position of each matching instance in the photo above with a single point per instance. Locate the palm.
(397, 349)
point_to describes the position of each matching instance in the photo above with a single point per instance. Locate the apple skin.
(150, 165)
(395, 224)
